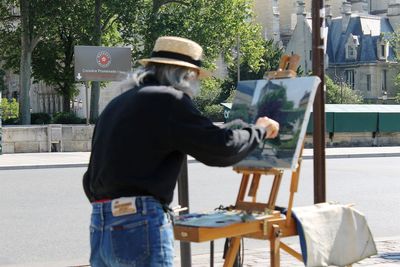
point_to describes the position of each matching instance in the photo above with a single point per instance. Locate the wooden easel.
(272, 225)
(273, 228)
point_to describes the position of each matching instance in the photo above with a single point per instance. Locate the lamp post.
(319, 103)
(384, 97)
(340, 80)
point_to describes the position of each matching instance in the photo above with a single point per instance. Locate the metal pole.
(212, 253)
(87, 102)
(183, 199)
(1, 130)
(341, 91)
(238, 58)
(319, 103)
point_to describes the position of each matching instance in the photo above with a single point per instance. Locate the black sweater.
(141, 137)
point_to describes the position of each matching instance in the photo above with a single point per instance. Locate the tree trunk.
(95, 91)
(25, 65)
(94, 101)
(66, 103)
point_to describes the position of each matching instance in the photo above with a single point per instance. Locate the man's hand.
(270, 125)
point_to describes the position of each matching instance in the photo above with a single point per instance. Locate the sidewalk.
(81, 159)
(388, 256)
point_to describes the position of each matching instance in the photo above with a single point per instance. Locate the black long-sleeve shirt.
(141, 138)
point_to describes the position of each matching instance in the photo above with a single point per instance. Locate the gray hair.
(181, 78)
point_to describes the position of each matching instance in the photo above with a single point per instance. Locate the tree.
(51, 52)
(49, 38)
(268, 61)
(53, 58)
(341, 94)
(106, 15)
(394, 40)
(213, 24)
(2, 84)
(27, 26)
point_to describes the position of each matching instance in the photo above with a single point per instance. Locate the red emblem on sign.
(103, 59)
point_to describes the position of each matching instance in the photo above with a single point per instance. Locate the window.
(368, 82)
(351, 47)
(383, 49)
(384, 80)
(350, 78)
(351, 51)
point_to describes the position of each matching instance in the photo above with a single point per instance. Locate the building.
(359, 54)
(301, 39)
(278, 17)
(357, 48)
(267, 14)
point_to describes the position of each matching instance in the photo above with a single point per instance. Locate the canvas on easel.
(287, 101)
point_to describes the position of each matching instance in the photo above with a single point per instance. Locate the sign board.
(98, 63)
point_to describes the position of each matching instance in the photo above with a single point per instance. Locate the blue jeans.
(141, 239)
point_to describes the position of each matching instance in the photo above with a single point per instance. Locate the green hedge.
(214, 112)
(67, 118)
(40, 118)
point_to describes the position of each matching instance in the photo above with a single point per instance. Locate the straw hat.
(177, 51)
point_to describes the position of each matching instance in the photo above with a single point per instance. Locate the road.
(45, 215)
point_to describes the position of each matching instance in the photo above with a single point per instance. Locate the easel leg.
(232, 252)
(274, 243)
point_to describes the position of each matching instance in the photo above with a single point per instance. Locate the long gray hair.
(181, 78)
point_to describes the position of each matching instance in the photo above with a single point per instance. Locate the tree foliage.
(53, 28)
(9, 109)
(23, 24)
(268, 61)
(53, 59)
(341, 94)
(394, 40)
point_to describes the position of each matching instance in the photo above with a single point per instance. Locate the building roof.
(367, 28)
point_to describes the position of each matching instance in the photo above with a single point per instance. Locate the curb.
(49, 166)
(83, 164)
(370, 155)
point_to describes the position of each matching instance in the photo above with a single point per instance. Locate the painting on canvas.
(288, 101)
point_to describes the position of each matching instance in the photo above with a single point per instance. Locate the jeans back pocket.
(130, 242)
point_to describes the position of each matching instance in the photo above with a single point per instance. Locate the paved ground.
(388, 256)
(388, 248)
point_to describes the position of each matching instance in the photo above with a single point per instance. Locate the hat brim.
(202, 72)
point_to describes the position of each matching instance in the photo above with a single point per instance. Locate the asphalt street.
(45, 214)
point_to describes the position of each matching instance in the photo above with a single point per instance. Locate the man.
(138, 149)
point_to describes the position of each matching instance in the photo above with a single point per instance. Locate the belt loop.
(101, 205)
(144, 208)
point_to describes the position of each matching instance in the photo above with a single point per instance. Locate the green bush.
(210, 90)
(67, 118)
(9, 111)
(40, 118)
(214, 112)
(11, 121)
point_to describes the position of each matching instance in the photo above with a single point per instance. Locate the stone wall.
(32, 139)
(362, 139)
(77, 138)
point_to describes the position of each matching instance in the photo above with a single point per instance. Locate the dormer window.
(351, 47)
(383, 49)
